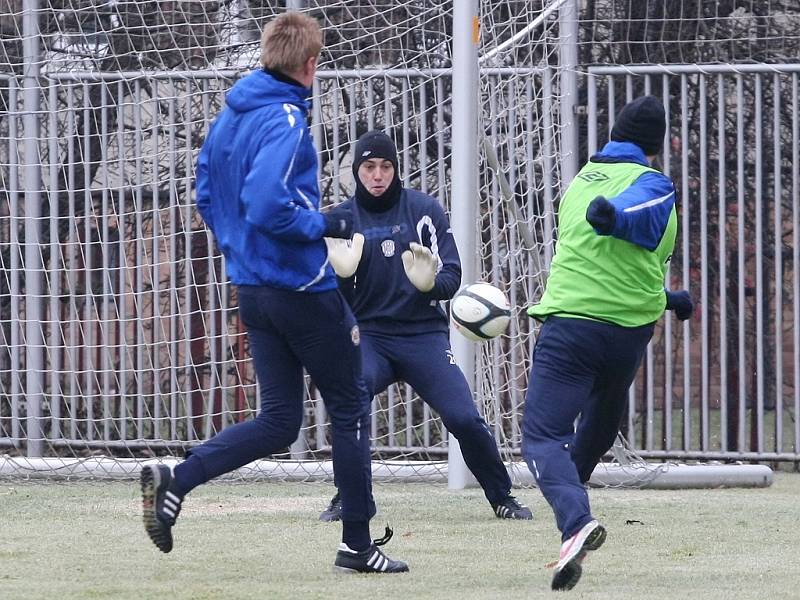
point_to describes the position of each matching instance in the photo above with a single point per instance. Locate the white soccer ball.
(480, 311)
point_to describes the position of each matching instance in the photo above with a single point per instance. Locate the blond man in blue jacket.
(257, 191)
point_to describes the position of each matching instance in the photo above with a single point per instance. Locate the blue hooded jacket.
(257, 188)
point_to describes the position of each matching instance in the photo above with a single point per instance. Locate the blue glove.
(338, 223)
(601, 215)
(681, 303)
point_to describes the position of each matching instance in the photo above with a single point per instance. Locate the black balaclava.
(376, 144)
(643, 122)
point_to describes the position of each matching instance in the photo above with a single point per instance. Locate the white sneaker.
(568, 570)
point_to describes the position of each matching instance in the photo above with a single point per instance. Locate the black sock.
(187, 476)
(356, 535)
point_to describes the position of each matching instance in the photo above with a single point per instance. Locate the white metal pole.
(34, 340)
(464, 180)
(568, 57)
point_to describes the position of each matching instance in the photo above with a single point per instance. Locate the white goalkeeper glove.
(420, 266)
(344, 255)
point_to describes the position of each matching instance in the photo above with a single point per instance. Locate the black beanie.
(376, 144)
(643, 122)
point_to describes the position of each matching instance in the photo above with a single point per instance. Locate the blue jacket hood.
(622, 152)
(260, 89)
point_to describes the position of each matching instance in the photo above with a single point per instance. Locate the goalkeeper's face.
(376, 175)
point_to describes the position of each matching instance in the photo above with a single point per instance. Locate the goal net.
(120, 341)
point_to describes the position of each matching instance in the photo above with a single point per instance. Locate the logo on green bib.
(591, 176)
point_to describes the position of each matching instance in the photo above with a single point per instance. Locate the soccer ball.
(480, 311)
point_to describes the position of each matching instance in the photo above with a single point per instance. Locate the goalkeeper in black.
(401, 263)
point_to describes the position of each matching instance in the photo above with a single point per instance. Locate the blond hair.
(289, 40)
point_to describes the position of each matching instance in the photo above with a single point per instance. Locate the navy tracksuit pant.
(579, 367)
(288, 331)
(426, 363)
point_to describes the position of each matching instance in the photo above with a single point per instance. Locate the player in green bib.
(616, 231)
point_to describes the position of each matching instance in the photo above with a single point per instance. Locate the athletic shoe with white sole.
(160, 507)
(510, 508)
(573, 551)
(371, 560)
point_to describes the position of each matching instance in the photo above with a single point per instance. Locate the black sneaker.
(334, 510)
(573, 551)
(371, 560)
(511, 509)
(160, 507)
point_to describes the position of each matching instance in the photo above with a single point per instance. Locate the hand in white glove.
(420, 266)
(344, 255)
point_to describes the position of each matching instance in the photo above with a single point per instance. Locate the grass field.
(263, 541)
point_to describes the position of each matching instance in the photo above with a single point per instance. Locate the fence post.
(32, 169)
(568, 59)
(464, 178)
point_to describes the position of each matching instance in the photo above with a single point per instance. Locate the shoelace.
(387, 535)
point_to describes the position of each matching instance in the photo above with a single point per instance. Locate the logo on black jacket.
(387, 247)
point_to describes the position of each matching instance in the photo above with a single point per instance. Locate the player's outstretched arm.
(639, 214)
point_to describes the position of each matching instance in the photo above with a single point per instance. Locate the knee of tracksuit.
(532, 438)
(539, 449)
(349, 416)
(465, 425)
(280, 430)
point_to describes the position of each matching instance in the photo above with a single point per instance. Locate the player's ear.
(310, 66)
